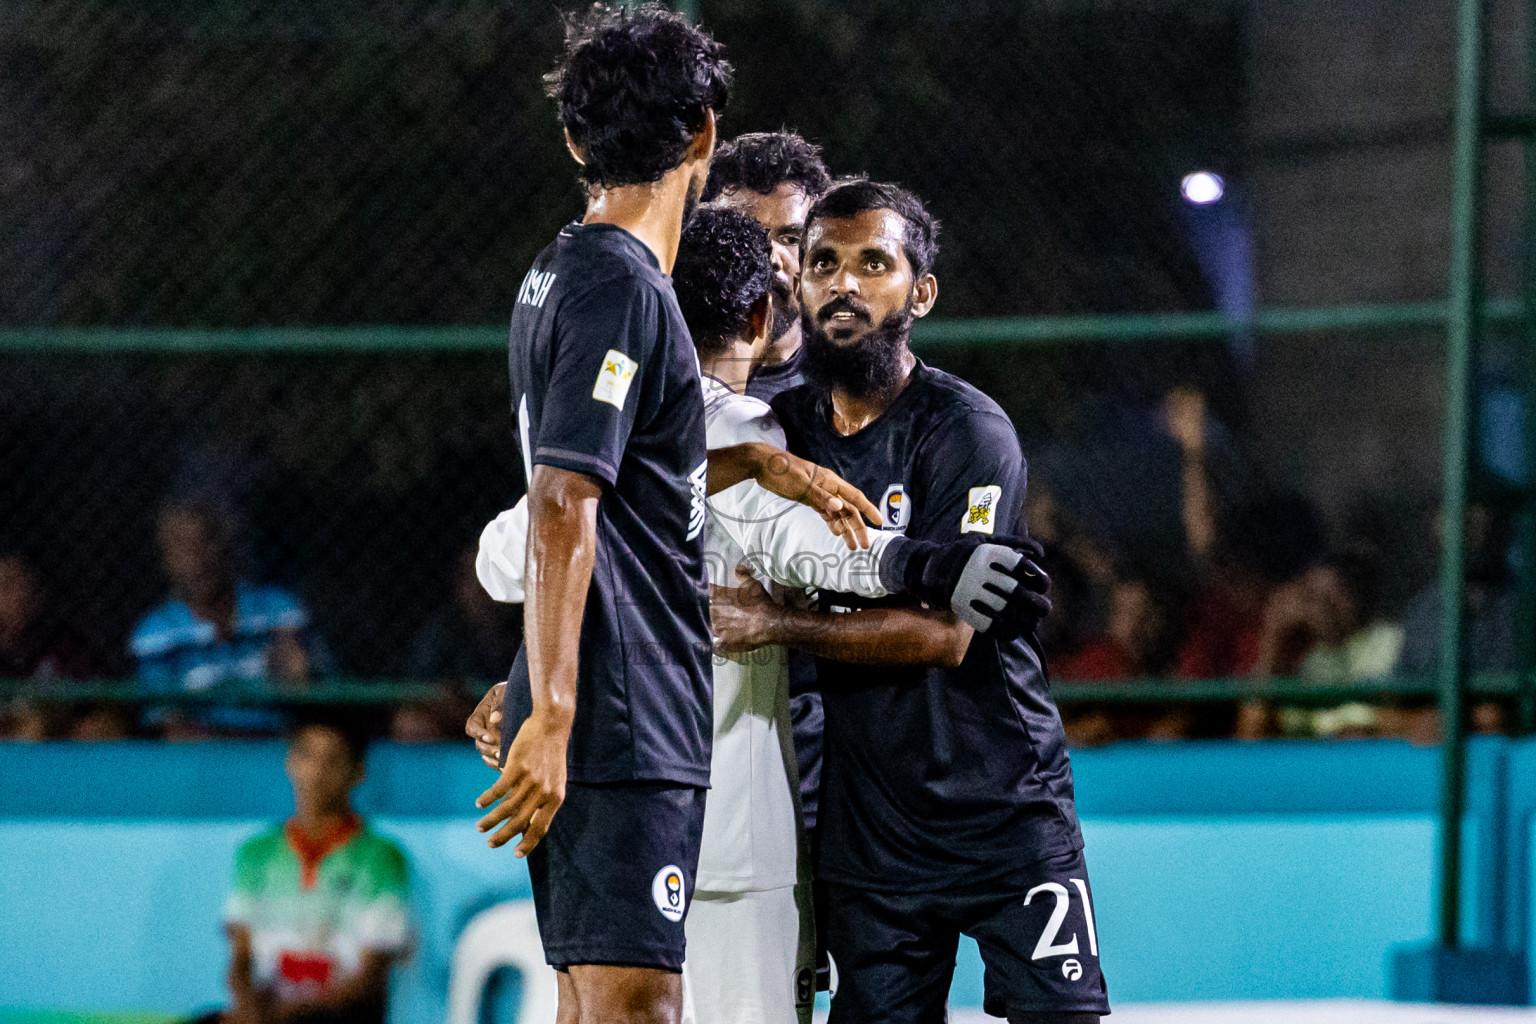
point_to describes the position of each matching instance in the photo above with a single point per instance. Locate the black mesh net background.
(325, 164)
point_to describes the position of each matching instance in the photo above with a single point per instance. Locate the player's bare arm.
(249, 1003)
(562, 542)
(746, 617)
(842, 505)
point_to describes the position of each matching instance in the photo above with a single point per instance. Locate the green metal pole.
(1461, 343)
(1525, 618)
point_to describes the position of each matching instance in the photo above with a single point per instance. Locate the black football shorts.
(613, 877)
(894, 953)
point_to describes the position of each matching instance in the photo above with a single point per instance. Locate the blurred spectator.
(215, 628)
(471, 640)
(1257, 547)
(468, 645)
(1325, 627)
(38, 646)
(1081, 576)
(1137, 645)
(318, 915)
(1491, 640)
(1148, 481)
(35, 644)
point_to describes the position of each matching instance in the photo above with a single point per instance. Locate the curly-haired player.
(773, 177)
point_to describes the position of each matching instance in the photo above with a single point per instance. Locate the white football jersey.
(752, 816)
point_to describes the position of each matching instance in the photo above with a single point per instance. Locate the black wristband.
(896, 560)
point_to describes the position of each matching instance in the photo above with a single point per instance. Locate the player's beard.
(868, 368)
(786, 310)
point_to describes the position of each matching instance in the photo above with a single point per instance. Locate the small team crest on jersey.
(613, 378)
(667, 892)
(895, 507)
(981, 511)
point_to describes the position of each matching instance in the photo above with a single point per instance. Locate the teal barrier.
(1221, 871)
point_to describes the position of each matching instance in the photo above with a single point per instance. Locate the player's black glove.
(994, 585)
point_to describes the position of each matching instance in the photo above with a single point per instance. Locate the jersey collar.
(311, 852)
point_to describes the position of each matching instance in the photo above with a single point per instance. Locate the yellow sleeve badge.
(613, 379)
(980, 515)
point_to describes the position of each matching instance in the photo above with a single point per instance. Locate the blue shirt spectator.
(177, 650)
(215, 629)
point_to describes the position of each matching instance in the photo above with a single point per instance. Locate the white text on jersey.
(536, 287)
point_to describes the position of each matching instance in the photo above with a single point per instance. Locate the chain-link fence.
(303, 165)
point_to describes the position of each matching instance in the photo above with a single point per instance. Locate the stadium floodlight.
(1202, 187)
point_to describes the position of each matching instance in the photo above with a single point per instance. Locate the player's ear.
(577, 153)
(761, 321)
(925, 294)
(703, 145)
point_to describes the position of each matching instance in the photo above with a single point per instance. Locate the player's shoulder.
(958, 424)
(169, 624)
(602, 260)
(380, 857)
(731, 418)
(797, 405)
(261, 848)
(944, 393)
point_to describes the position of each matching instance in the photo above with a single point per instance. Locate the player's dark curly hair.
(919, 240)
(724, 266)
(762, 161)
(633, 87)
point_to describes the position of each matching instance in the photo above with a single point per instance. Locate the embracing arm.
(744, 618)
(562, 543)
(842, 505)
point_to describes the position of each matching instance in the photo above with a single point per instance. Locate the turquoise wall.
(1220, 871)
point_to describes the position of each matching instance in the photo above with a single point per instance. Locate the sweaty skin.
(562, 544)
(746, 617)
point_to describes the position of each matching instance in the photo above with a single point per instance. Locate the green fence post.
(1526, 596)
(1461, 340)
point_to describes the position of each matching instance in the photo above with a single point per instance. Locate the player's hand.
(532, 785)
(841, 504)
(742, 618)
(484, 725)
(996, 585)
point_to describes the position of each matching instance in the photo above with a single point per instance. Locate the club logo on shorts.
(614, 377)
(895, 507)
(667, 892)
(980, 515)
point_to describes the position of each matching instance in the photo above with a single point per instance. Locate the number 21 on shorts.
(1049, 945)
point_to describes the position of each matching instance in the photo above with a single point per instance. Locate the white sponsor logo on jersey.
(980, 515)
(895, 508)
(698, 482)
(667, 892)
(614, 377)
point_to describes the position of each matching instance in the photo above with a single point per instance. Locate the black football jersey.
(935, 776)
(605, 381)
(768, 382)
